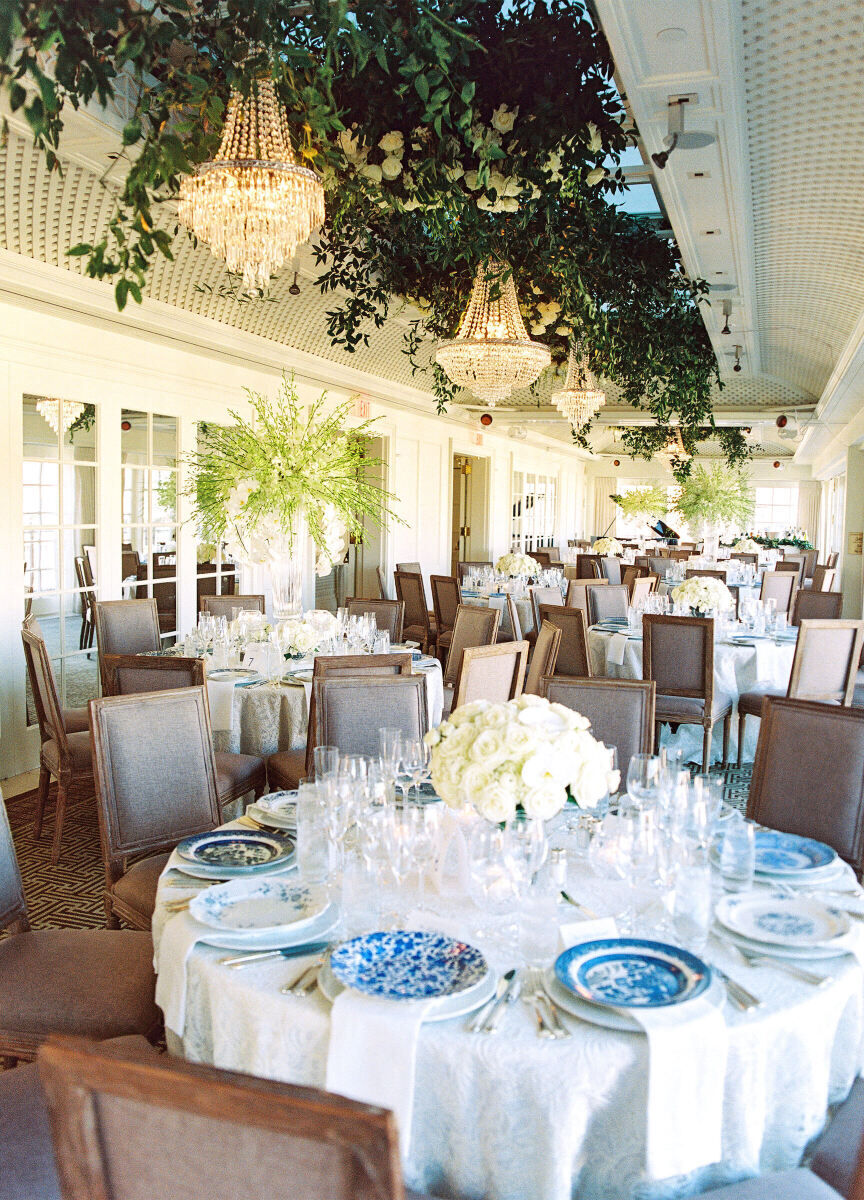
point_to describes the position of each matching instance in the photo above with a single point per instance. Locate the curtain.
(604, 509)
(809, 501)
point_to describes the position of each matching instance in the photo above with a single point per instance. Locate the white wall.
(62, 337)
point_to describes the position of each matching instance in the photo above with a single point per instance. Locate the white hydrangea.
(608, 545)
(704, 593)
(747, 546)
(516, 564)
(526, 754)
(393, 143)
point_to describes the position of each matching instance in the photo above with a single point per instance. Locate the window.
(776, 509)
(216, 572)
(533, 522)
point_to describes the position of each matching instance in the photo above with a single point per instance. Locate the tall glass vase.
(287, 561)
(710, 542)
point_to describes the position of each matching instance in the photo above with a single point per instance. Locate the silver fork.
(534, 992)
(305, 982)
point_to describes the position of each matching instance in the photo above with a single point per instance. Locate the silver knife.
(248, 960)
(495, 1017)
(739, 995)
(485, 1012)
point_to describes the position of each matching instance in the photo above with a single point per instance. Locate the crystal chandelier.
(492, 353)
(580, 399)
(674, 451)
(253, 204)
(60, 414)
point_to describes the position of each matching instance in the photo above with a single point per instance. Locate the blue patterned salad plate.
(632, 973)
(408, 964)
(259, 905)
(227, 852)
(788, 854)
(797, 921)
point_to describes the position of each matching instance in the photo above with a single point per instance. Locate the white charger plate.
(801, 921)
(835, 950)
(445, 1009)
(615, 1018)
(196, 872)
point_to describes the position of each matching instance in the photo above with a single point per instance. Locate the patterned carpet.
(70, 894)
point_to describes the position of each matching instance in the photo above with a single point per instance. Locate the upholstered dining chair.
(446, 598)
(542, 558)
(577, 596)
(64, 751)
(621, 711)
(411, 568)
(573, 656)
(832, 560)
(382, 583)
(155, 784)
(410, 592)
(84, 579)
(554, 553)
(543, 659)
(823, 579)
(824, 667)
(642, 589)
(510, 627)
(658, 565)
(472, 627)
(94, 982)
(780, 586)
(389, 614)
(588, 566)
(746, 557)
(808, 775)
(794, 563)
(223, 606)
(543, 595)
(631, 573)
(134, 674)
(607, 603)
(610, 568)
(349, 712)
(494, 673)
(811, 604)
(678, 654)
(704, 573)
(470, 568)
(286, 768)
(164, 1127)
(126, 627)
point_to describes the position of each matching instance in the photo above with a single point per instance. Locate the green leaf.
(17, 96)
(131, 131)
(79, 251)
(121, 291)
(421, 83)
(468, 90)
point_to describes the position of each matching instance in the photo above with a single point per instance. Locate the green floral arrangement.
(716, 495)
(647, 441)
(250, 481)
(643, 502)
(787, 539)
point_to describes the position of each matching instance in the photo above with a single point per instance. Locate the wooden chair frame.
(452, 668)
(821, 576)
(573, 624)
(517, 650)
(84, 579)
(338, 667)
(801, 597)
(76, 1074)
(351, 683)
(101, 607)
(147, 662)
(209, 603)
(534, 677)
(393, 605)
(439, 583)
(406, 580)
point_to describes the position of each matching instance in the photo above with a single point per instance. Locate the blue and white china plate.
(230, 852)
(632, 973)
(258, 905)
(611, 1018)
(239, 676)
(405, 964)
(797, 921)
(833, 949)
(276, 809)
(779, 854)
(444, 1009)
(319, 929)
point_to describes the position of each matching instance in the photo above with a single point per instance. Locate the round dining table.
(737, 669)
(510, 1115)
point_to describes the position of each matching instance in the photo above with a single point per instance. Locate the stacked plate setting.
(600, 981)
(277, 810)
(263, 914)
(411, 966)
(230, 853)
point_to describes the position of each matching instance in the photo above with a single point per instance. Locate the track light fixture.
(737, 367)
(676, 136)
(727, 313)
(294, 289)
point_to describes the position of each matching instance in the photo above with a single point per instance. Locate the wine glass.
(390, 742)
(526, 846)
(643, 777)
(415, 756)
(492, 882)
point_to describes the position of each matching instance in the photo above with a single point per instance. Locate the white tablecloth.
(513, 1117)
(271, 717)
(736, 670)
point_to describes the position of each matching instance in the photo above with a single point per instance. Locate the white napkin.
(373, 1054)
(765, 661)
(615, 650)
(179, 937)
(220, 693)
(687, 1047)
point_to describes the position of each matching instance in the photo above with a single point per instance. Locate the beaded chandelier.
(61, 415)
(674, 451)
(580, 399)
(253, 204)
(492, 353)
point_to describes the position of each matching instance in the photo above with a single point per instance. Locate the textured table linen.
(512, 1116)
(737, 669)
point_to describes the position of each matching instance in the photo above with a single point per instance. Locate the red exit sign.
(361, 407)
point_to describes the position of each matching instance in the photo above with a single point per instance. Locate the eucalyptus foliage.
(716, 495)
(643, 502)
(285, 459)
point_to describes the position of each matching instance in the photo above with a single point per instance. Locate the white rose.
(496, 804)
(544, 802)
(488, 748)
(595, 176)
(503, 118)
(391, 167)
(372, 171)
(471, 180)
(393, 143)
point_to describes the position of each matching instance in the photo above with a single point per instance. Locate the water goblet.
(643, 778)
(326, 760)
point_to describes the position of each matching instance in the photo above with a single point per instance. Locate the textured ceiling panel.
(805, 121)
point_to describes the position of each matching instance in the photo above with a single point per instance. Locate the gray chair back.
(543, 595)
(554, 553)
(606, 603)
(826, 661)
(13, 907)
(510, 623)
(350, 712)
(127, 626)
(446, 598)
(410, 568)
(473, 627)
(621, 711)
(469, 568)
(154, 770)
(794, 563)
(389, 614)
(49, 714)
(135, 674)
(221, 606)
(811, 604)
(573, 657)
(349, 666)
(577, 593)
(657, 565)
(544, 658)
(781, 586)
(792, 788)
(610, 568)
(493, 673)
(678, 654)
(823, 579)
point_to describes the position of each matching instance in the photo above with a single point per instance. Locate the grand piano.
(662, 530)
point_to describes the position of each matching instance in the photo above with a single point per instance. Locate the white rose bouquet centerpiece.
(703, 594)
(608, 545)
(517, 563)
(746, 545)
(299, 638)
(525, 756)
